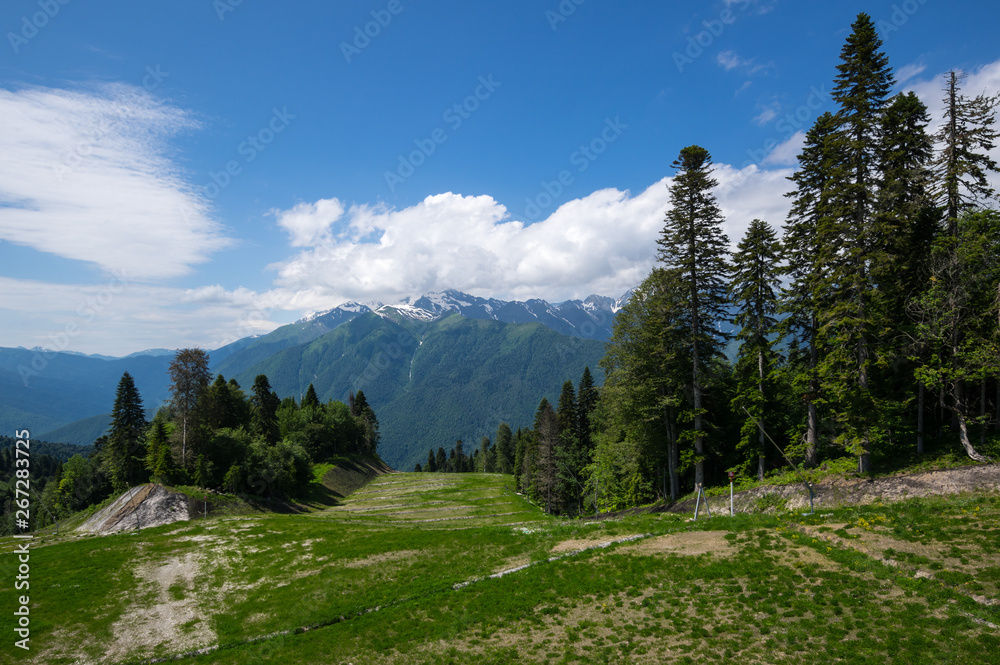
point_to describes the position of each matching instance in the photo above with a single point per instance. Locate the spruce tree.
(124, 450)
(846, 239)
(814, 203)
(159, 461)
(264, 410)
(441, 462)
(695, 253)
(753, 291)
(504, 449)
(310, 399)
(907, 223)
(431, 462)
(586, 402)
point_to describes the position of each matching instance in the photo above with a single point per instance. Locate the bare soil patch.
(691, 543)
(172, 619)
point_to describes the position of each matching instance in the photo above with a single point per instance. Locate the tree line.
(868, 326)
(212, 434)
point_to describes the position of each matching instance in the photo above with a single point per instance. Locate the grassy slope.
(379, 578)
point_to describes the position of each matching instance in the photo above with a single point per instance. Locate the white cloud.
(603, 243)
(85, 175)
(118, 316)
(787, 153)
(730, 60)
(309, 223)
(766, 116)
(906, 72)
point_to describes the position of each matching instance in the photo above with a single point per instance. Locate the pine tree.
(967, 136)
(753, 292)
(441, 463)
(264, 405)
(431, 462)
(124, 449)
(694, 251)
(846, 240)
(814, 203)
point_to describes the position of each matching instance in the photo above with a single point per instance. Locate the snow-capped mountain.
(590, 318)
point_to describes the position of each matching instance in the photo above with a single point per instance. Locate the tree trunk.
(699, 443)
(675, 490)
(982, 414)
(920, 419)
(964, 437)
(865, 459)
(812, 423)
(760, 427)
(996, 406)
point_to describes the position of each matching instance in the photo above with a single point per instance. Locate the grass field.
(440, 568)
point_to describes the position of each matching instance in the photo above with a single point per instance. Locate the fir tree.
(441, 463)
(586, 402)
(695, 251)
(753, 291)
(814, 204)
(264, 405)
(431, 461)
(124, 450)
(846, 239)
(504, 449)
(310, 400)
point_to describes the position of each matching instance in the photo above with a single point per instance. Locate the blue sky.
(178, 173)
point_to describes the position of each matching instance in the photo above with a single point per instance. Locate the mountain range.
(437, 368)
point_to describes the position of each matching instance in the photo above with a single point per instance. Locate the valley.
(448, 568)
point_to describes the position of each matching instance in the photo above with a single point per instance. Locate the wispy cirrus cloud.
(86, 175)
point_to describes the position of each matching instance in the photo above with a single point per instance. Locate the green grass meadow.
(407, 569)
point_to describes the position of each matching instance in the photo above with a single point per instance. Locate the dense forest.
(211, 434)
(868, 326)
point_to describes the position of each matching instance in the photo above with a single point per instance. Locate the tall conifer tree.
(694, 251)
(753, 290)
(848, 321)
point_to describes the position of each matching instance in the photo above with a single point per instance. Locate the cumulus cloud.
(86, 175)
(603, 243)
